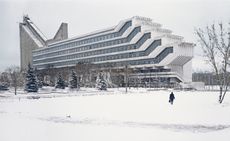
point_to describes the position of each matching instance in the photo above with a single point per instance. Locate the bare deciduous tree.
(84, 71)
(15, 77)
(215, 42)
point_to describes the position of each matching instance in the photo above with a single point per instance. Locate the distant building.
(154, 54)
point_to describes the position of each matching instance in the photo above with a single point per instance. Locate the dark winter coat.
(171, 97)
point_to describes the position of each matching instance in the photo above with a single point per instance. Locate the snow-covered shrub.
(101, 83)
(4, 87)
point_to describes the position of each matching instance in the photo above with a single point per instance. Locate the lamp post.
(149, 78)
(126, 78)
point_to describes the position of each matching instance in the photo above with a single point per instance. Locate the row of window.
(105, 58)
(98, 45)
(85, 41)
(163, 54)
(153, 70)
(155, 60)
(154, 81)
(98, 52)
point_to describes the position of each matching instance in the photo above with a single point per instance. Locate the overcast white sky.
(83, 16)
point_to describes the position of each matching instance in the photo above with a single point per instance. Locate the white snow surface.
(113, 115)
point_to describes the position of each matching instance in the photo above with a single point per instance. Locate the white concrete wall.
(187, 71)
(178, 69)
(27, 44)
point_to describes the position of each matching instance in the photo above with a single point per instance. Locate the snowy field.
(90, 115)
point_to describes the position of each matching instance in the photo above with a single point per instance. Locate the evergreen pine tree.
(60, 82)
(74, 82)
(31, 81)
(39, 81)
(101, 84)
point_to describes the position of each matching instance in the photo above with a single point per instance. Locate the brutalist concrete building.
(154, 54)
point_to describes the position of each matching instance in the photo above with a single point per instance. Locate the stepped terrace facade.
(153, 53)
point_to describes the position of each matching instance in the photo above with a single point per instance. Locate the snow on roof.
(90, 34)
(184, 44)
(37, 29)
(146, 21)
(173, 36)
(142, 18)
(32, 36)
(95, 33)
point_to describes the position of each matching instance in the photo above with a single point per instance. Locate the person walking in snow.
(171, 98)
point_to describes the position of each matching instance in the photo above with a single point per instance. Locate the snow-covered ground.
(91, 115)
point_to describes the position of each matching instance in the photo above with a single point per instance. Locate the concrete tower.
(32, 38)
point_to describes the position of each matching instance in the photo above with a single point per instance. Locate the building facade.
(154, 54)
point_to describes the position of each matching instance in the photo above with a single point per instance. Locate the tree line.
(31, 81)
